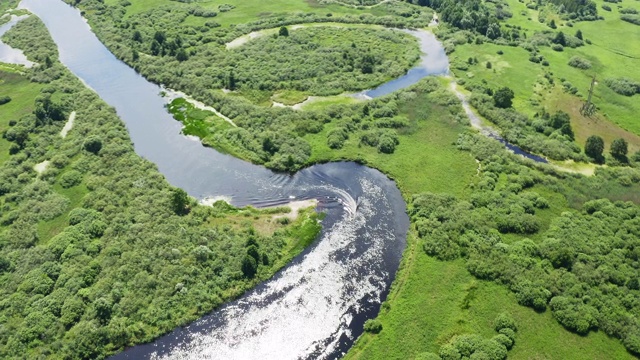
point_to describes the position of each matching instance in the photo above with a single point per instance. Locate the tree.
(249, 266)
(619, 149)
(159, 37)
(552, 24)
(579, 34)
(488, 64)
(594, 147)
(493, 31)
(231, 81)
(179, 202)
(103, 309)
(137, 36)
(5, 265)
(182, 55)
(93, 144)
(559, 119)
(373, 326)
(560, 39)
(503, 97)
(283, 31)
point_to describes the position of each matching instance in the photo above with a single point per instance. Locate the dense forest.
(97, 250)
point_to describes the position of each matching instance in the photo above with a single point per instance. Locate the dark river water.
(316, 306)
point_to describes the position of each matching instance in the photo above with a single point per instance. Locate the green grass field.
(425, 159)
(614, 52)
(22, 93)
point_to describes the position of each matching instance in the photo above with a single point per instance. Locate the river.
(316, 306)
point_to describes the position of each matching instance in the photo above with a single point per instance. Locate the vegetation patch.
(321, 60)
(623, 86)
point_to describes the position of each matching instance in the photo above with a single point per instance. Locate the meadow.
(611, 41)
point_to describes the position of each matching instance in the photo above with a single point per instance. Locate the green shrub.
(504, 321)
(93, 144)
(373, 326)
(631, 18)
(580, 63)
(70, 178)
(4, 99)
(623, 86)
(628, 11)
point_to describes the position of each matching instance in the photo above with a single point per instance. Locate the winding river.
(316, 306)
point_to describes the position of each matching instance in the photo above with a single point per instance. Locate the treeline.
(574, 9)
(469, 14)
(98, 252)
(583, 266)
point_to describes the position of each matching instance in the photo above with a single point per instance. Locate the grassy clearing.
(22, 93)
(289, 97)
(51, 228)
(196, 122)
(297, 234)
(425, 159)
(611, 55)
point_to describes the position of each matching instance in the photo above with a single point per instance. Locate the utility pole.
(588, 108)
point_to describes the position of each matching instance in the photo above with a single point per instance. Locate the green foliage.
(93, 257)
(373, 326)
(504, 321)
(4, 99)
(283, 31)
(631, 18)
(623, 86)
(70, 178)
(503, 97)
(93, 144)
(249, 266)
(180, 201)
(619, 149)
(580, 63)
(594, 147)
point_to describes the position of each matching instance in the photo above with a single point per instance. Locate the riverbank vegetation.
(97, 250)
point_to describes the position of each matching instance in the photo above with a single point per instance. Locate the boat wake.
(307, 310)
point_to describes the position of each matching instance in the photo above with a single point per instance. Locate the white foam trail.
(305, 310)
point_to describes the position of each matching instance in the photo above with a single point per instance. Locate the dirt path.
(68, 125)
